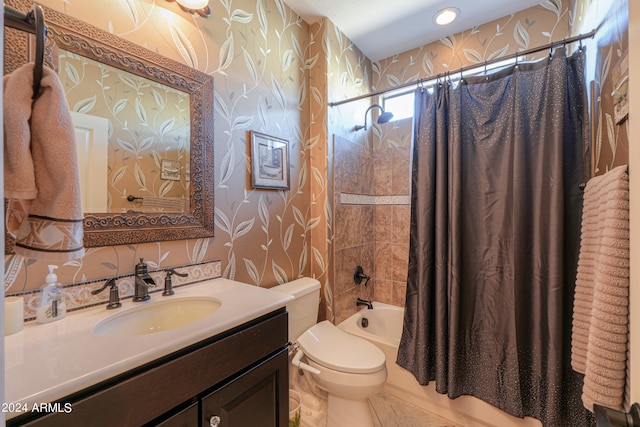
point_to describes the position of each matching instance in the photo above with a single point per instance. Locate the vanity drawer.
(150, 391)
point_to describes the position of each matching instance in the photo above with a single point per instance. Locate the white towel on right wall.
(600, 329)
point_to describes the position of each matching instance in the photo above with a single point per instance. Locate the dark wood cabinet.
(252, 399)
(240, 376)
(187, 417)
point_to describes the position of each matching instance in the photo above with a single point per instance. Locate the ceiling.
(381, 28)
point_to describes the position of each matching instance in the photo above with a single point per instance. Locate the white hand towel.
(44, 211)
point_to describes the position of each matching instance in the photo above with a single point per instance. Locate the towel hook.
(32, 22)
(41, 39)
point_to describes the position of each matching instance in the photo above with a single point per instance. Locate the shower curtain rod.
(471, 67)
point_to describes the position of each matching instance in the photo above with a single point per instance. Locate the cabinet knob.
(214, 421)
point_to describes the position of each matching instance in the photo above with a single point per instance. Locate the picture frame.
(269, 161)
(170, 170)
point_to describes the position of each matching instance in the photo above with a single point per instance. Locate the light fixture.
(446, 16)
(384, 117)
(200, 7)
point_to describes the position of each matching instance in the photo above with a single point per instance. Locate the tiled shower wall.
(392, 177)
(354, 228)
(372, 214)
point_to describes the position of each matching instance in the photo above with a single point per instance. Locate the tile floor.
(389, 411)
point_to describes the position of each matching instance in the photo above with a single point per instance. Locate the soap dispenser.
(52, 306)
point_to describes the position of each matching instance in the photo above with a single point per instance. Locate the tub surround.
(45, 363)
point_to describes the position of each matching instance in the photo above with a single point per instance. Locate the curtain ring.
(580, 46)
(516, 66)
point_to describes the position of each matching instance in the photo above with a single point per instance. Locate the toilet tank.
(303, 310)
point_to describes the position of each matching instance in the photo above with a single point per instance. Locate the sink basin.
(157, 316)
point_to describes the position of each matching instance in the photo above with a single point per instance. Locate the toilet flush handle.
(301, 365)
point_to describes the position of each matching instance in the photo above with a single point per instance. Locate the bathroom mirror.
(170, 195)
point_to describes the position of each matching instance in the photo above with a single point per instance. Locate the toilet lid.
(331, 347)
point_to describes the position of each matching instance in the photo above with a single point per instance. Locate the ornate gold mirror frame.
(106, 229)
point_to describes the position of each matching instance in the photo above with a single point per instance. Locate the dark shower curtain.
(495, 226)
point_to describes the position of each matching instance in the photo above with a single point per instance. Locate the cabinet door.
(257, 398)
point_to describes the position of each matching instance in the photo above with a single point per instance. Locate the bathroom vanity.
(228, 368)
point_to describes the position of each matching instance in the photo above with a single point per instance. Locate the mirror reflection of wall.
(147, 155)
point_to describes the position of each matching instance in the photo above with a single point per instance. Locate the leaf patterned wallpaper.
(257, 51)
(275, 74)
(339, 71)
(608, 72)
(548, 22)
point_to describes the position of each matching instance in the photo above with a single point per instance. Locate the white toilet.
(350, 369)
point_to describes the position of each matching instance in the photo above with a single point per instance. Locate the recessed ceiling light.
(446, 15)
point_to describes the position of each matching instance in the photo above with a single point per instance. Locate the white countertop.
(46, 362)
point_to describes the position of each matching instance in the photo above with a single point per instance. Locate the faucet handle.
(141, 267)
(114, 294)
(168, 281)
(359, 276)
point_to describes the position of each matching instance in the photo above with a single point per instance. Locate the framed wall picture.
(269, 161)
(170, 169)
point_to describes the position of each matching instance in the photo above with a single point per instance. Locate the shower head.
(384, 117)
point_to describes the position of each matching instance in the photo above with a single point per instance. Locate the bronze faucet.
(143, 281)
(361, 301)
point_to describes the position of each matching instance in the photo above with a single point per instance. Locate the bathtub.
(384, 328)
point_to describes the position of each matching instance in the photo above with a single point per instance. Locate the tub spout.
(361, 301)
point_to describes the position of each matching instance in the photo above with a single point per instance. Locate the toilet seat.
(331, 347)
